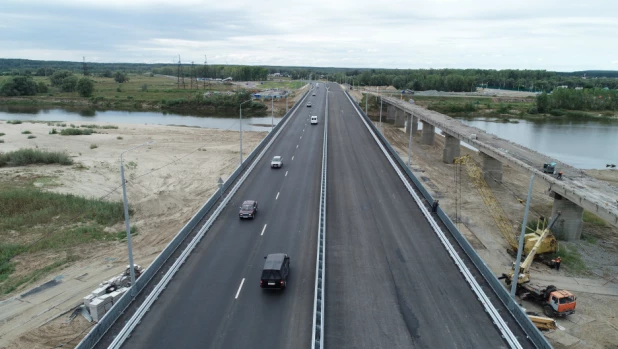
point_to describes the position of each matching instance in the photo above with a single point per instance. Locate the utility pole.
(84, 67)
(521, 239)
(205, 70)
(410, 141)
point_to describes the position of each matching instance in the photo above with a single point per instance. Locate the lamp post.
(381, 130)
(272, 112)
(241, 130)
(410, 141)
(126, 217)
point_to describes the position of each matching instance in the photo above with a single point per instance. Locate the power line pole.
(84, 67)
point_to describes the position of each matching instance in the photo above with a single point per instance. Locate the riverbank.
(167, 182)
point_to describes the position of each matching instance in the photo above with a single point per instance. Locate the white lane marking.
(296, 146)
(293, 155)
(239, 288)
(286, 173)
(301, 137)
(264, 229)
(277, 196)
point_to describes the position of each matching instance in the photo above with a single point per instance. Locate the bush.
(118, 89)
(93, 146)
(2, 134)
(58, 77)
(118, 137)
(31, 136)
(121, 77)
(129, 97)
(1, 140)
(26, 132)
(53, 132)
(23, 157)
(85, 87)
(76, 132)
(41, 87)
(14, 122)
(69, 84)
(144, 88)
(19, 86)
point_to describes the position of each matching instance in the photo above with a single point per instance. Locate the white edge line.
(154, 295)
(292, 157)
(239, 288)
(286, 173)
(277, 196)
(263, 229)
(476, 288)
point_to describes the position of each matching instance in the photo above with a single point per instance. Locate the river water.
(146, 117)
(582, 144)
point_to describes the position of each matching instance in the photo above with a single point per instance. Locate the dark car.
(276, 271)
(309, 104)
(248, 209)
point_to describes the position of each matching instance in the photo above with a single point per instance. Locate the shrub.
(2, 134)
(121, 77)
(144, 88)
(129, 97)
(93, 146)
(19, 86)
(41, 87)
(118, 137)
(23, 157)
(14, 122)
(69, 84)
(118, 89)
(76, 132)
(1, 140)
(26, 132)
(85, 87)
(31, 136)
(53, 132)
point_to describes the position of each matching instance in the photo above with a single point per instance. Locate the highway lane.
(390, 283)
(215, 300)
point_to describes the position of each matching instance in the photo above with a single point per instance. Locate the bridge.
(374, 262)
(576, 192)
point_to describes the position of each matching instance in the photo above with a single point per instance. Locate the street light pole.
(126, 218)
(241, 130)
(272, 112)
(366, 101)
(381, 114)
(410, 141)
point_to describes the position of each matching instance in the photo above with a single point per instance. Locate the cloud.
(569, 35)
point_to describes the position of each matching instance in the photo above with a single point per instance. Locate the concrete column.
(400, 117)
(390, 112)
(451, 149)
(428, 134)
(492, 169)
(413, 123)
(569, 224)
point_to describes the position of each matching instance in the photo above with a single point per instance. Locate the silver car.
(276, 162)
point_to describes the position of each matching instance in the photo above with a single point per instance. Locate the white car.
(276, 162)
(314, 120)
(309, 105)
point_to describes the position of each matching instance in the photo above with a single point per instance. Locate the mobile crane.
(555, 302)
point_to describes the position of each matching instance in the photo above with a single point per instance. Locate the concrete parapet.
(412, 122)
(428, 134)
(400, 117)
(451, 150)
(492, 169)
(569, 224)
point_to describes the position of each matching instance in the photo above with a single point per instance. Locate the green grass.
(100, 126)
(23, 157)
(14, 122)
(591, 218)
(571, 259)
(76, 131)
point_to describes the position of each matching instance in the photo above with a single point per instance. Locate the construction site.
(568, 288)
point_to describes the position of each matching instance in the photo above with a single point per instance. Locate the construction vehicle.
(549, 168)
(555, 302)
(549, 243)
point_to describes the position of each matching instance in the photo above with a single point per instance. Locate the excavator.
(555, 302)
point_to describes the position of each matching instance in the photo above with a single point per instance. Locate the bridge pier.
(412, 122)
(400, 117)
(428, 133)
(492, 169)
(390, 112)
(451, 150)
(569, 224)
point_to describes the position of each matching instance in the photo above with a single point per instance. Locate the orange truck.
(555, 302)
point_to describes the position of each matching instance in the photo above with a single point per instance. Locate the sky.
(563, 35)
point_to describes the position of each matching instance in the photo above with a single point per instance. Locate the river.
(584, 144)
(131, 117)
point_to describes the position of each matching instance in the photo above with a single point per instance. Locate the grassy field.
(141, 92)
(34, 221)
(23, 157)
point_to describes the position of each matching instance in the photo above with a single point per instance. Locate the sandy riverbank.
(168, 181)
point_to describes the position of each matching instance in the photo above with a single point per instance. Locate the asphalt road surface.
(389, 281)
(215, 300)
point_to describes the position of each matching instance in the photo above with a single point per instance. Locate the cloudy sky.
(563, 35)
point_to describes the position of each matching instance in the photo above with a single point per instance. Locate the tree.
(121, 77)
(69, 84)
(107, 74)
(19, 86)
(41, 87)
(85, 87)
(57, 79)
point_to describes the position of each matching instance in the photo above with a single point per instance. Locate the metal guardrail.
(535, 336)
(317, 332)
(99, 330)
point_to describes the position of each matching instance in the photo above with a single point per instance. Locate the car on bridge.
(308, 104)
(276, 162)
(248, 209)
(276, 271)
(313, 94)
(314, 120)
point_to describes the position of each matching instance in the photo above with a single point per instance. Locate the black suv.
(276, 271)
(248, 209)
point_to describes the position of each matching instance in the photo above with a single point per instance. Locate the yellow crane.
(549, 244)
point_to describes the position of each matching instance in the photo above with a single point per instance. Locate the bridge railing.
(119, 307)
(515, 310)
